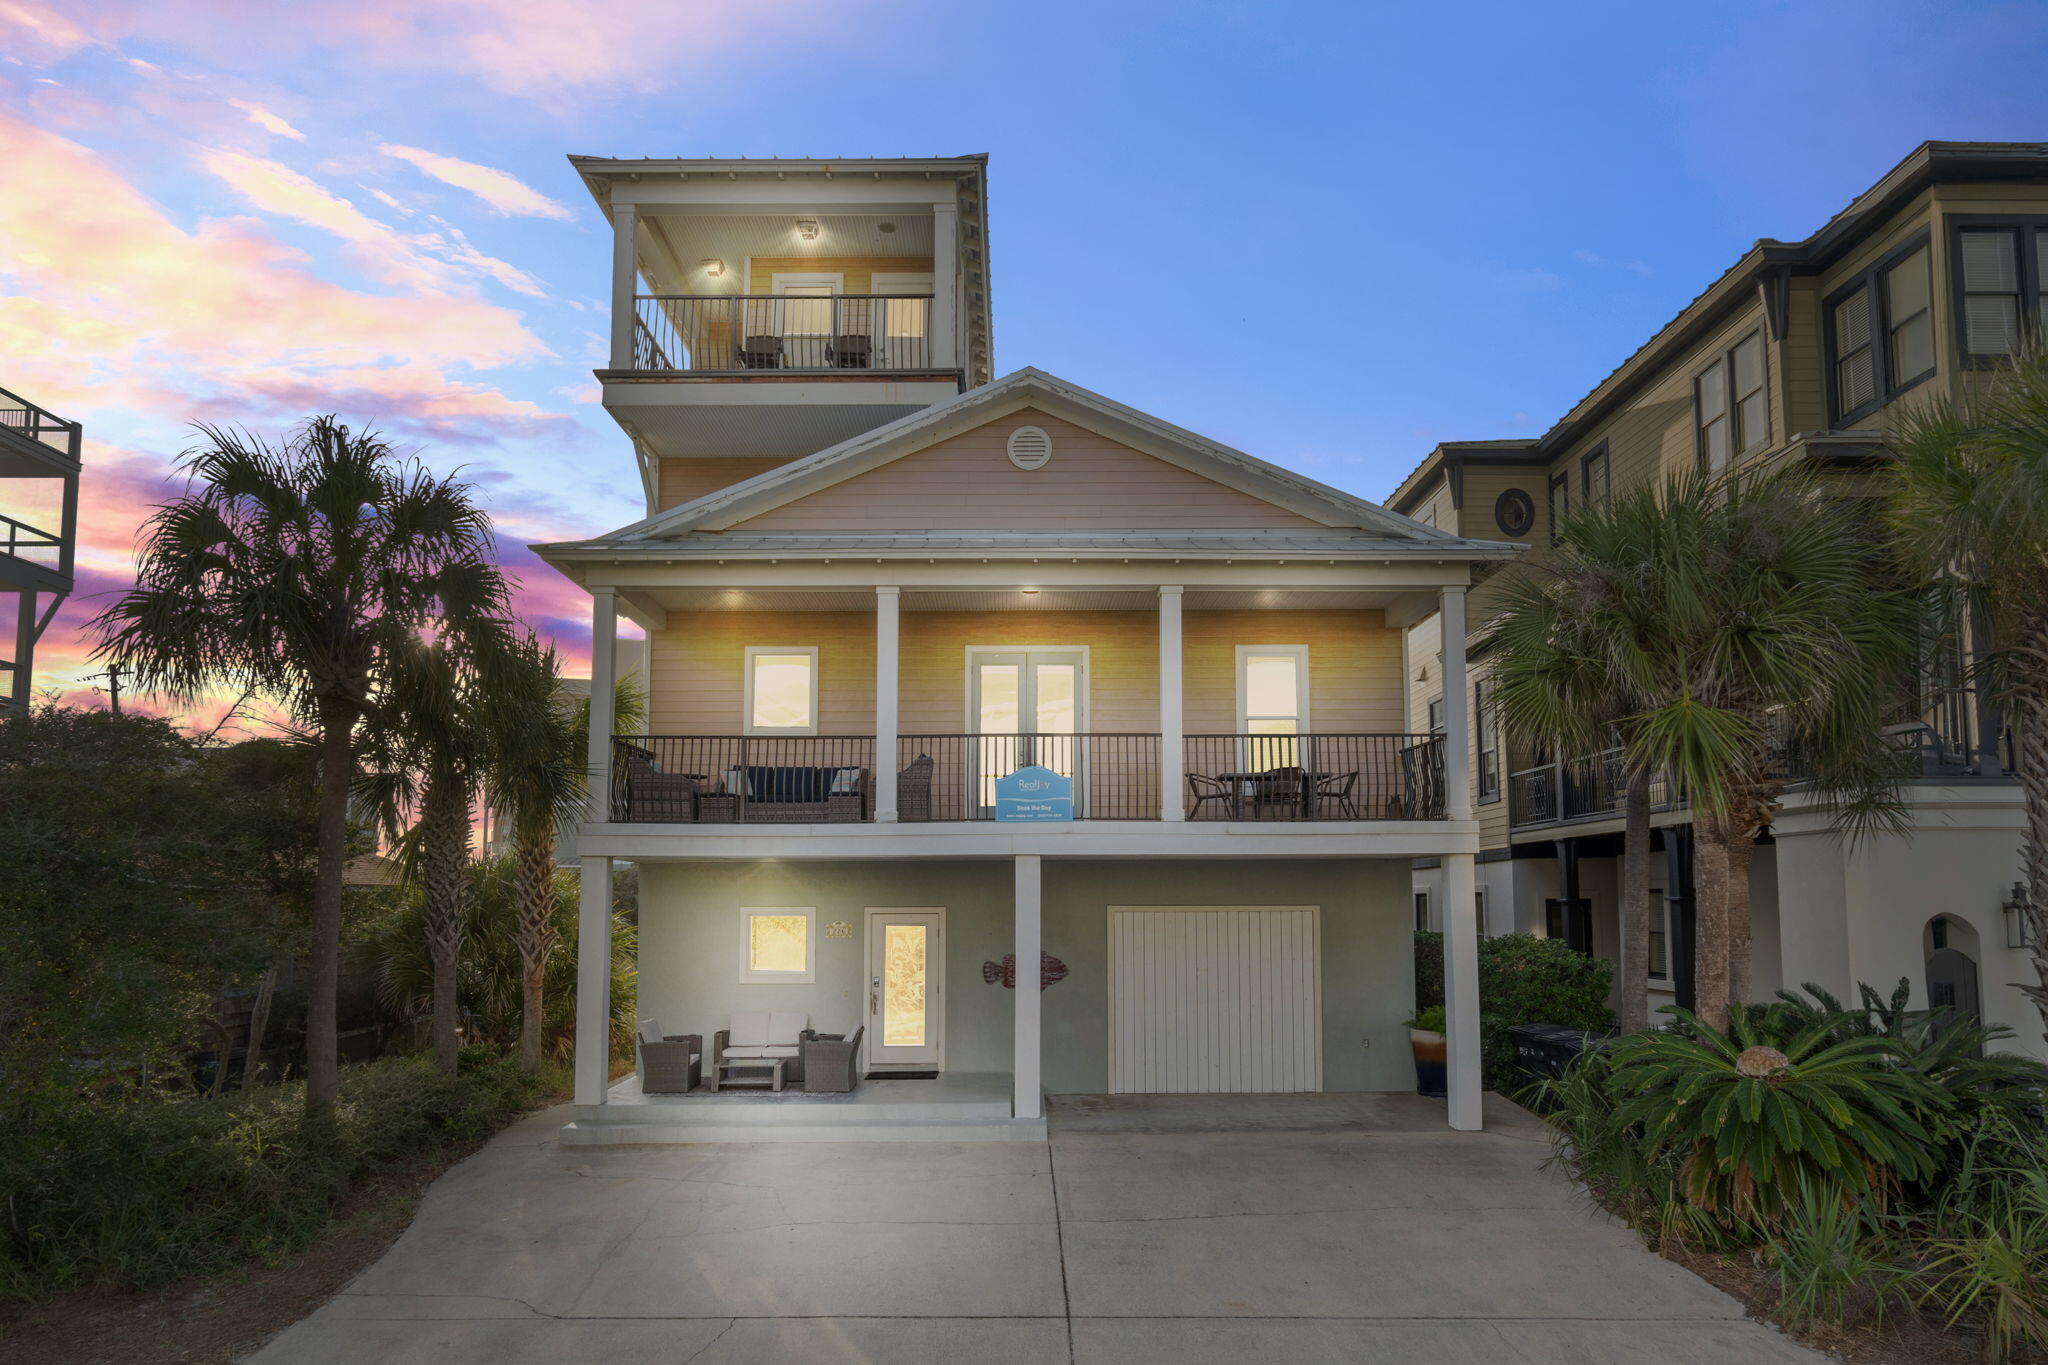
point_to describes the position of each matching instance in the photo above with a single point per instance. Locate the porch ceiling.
(756, 418)
(1016, 599)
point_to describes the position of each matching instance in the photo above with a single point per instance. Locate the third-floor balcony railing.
(747, 333)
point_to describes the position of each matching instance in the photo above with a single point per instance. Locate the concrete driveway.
(1190, 1230)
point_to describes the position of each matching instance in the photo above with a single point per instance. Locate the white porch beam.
(1172, 749)
(1026, 1067)
(625, 281)
(1460, 917)
(888, 604)
(594, 981)
(945, 286)
(604, 672)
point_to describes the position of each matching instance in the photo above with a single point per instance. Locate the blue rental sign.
(1034, 793)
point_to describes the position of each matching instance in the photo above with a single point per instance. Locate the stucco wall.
(690, 949)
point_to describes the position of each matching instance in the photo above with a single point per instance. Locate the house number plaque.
(839, 928)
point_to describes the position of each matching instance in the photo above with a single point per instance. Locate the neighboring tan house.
(947, 669)
(39, 460)
(1799, 352)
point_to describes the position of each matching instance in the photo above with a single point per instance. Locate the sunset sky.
(1457, 217)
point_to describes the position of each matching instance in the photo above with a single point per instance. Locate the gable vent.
(1030, 447)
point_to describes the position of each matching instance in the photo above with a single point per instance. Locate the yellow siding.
(696, 666)
(968, 483)
(857, 271)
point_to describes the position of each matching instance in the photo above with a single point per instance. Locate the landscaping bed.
(193, 1229)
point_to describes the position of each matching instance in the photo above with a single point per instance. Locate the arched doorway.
(1950, 947)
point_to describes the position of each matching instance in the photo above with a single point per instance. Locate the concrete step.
(788, 1110)
(863, 1127)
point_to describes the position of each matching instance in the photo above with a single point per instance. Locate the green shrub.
(1428, 1018)
(137, 1192)
(1522, 980)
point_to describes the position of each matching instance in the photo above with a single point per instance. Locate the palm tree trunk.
(1635, 905)
(323, 967)
(1710, 919)
(1742, 832)
(536, 854)
(444, 851)
(2032, 762)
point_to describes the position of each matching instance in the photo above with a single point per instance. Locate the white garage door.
(1213, 999)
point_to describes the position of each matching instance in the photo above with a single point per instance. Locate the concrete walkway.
(1191, 1230)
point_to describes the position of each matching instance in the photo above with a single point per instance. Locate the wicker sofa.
(668, 1064)
(757, 1034)
(788, 794)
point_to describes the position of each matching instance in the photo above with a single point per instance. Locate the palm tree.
(1719, 625)
(446, 704)
(539, 779)
(297, 571)
(1969, 504)
(1558, 645)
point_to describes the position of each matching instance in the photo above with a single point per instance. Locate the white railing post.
(887, 620)
(604, 635)
(945, 287)
(1026, 1072)
(625, 282)
(1172, 742)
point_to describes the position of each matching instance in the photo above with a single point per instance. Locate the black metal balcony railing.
(1315, 777)
(742, 779)
(762, 779)
(1581, 788)
(748, 332)
(953, 777)
(19, 415)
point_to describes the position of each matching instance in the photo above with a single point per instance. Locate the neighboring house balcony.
(1956, 740)
(39, 465)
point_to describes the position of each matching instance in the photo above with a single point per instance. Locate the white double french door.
(1026, 706)
(906, 1014)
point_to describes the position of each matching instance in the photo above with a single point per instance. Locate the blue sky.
(1331, 235)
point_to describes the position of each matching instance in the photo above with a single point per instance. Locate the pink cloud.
(507, 194)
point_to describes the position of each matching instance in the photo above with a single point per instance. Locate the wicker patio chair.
(914, 789)
(1206, 789)
(670, 1064)
(831, 1061)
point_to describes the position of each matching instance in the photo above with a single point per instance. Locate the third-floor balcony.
(745, 334)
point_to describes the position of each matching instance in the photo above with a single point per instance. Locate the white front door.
(906, 1015)
(1214, 999)
(1028, 706)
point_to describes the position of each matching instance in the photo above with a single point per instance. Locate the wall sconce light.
(807, 229)
(713, 266)
(2019, 923)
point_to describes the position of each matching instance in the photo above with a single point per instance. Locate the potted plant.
(1426, 1036)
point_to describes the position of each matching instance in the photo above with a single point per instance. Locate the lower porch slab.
(969, 1106)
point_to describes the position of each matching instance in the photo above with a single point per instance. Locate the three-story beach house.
(1038, 737)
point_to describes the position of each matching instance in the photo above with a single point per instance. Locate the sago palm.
(297, 571)
(1969, 504)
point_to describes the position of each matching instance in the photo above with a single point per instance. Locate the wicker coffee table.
(766, 1073)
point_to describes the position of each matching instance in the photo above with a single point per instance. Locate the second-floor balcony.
(943, 778)
(747, 334)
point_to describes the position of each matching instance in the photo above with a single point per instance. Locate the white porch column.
(1172, 748)
(604, 634)
(625, 282)
(887, 602)
(945, 329)
(1461, 920)
(594, 981)
(1026, 1070)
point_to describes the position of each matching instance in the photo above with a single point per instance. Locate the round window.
(1515, 512)
(1030, 447)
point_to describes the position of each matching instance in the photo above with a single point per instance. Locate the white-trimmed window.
(780, 944)
(1486, 723)
(1421, 911)
(1272, 700)
(1660, 936)
(782, 690)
